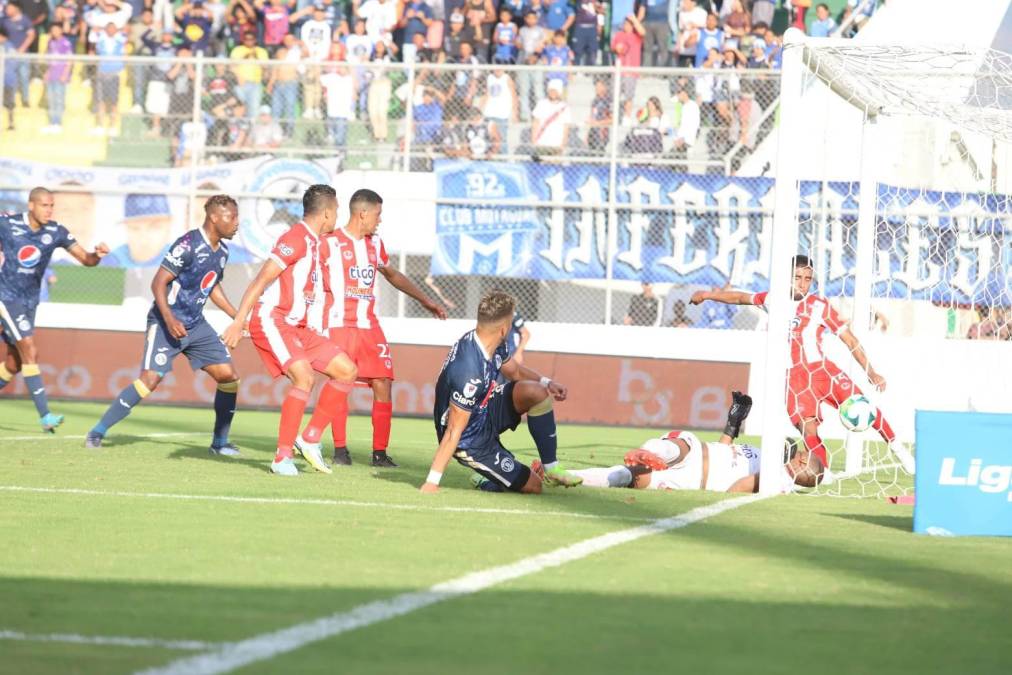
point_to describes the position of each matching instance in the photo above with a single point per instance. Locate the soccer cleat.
(559, 476)
(286, 467)
(227, 450)
(311, 453)
(50, 421)
(635, 459)
(477, 480)
(904, 456)
(382, 459)
(93, 441)
(341, 457)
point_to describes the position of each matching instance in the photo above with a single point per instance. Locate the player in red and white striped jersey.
(287, 325)
(814, 379)
(352, 257)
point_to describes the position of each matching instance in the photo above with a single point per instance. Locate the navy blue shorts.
(17, 319)
(201, 346)
(494, 461)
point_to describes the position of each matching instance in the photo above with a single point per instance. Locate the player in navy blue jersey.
(190, 273)
(471, 409)
(27, 242)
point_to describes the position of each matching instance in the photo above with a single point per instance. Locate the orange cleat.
(644, 459)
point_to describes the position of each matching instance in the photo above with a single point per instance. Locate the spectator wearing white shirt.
(358, 49)
(499, 105)
(316, 35)
(108, 11)
(380, 19)
(691, 18)
(339, 87)
(552, 119)
(266, 133)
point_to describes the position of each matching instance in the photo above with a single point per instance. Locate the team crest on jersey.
(161, 359)
(47, 239)
(178, 251)
(347, 254)
(23, 323)
(29, 256)
(207, 283)
(221, 263)
(498, 361)
(471, 388)
(286, 250)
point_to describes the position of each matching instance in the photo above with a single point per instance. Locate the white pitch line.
(54, 437)
(228, 657)
(109, 640)
(317, 502)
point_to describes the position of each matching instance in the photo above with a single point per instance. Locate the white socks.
(615, 477)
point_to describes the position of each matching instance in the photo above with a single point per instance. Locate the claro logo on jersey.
(29, 256)
(365, 274)
(992, 479)
(207, 283)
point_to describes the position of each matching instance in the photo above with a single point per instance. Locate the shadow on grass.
(902, 523)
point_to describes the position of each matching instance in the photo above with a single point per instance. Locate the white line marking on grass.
(316, 502)
(53, 437)
(109, 640)
(226, 658)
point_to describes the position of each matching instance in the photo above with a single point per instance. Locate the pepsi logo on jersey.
(29, 256)
(366, 274)
(207, 283)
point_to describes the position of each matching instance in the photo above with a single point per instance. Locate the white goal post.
(892, 175)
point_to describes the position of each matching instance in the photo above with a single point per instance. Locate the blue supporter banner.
(945, 247)
(964, 474)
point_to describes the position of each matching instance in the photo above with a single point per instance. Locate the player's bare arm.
(221, 300)
(408, 287)
(854, 345)
(264, 278)
(746, 484)
(160, 289)
(456, 421)
(89, 258)
(516, 372)
(720, 295)
(525, 336)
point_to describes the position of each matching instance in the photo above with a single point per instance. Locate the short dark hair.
(317, 197)
(363, 198)
(38, 192)
(219, 202)
(801, 261)
(495, 306)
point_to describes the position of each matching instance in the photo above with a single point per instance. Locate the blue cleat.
(50, 421)
(93, 441)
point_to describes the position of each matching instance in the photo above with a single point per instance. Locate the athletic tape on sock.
(542, 408)
(30, 369)
(142, 389)
(229, 387)
(5, 374)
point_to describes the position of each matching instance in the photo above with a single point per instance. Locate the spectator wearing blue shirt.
(416, 17)
(20, 35)
(110, 43)
(517, 9)
(559, 15)
(504, 39)
(558, 54)
(195, 26)
(428, 117)
(824, 25)
(710, 37)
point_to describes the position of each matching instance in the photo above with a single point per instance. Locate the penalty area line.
(228, 657)
(54, 437)
(108, 640)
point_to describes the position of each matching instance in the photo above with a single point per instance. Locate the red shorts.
(368, 348)
(280, 344)
(817, 383)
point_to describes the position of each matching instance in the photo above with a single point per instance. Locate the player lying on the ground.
(471, 409)
(27, 242)
(287, 326)
(813, 378)
(190, 274)
(680, 461)
(351, 257)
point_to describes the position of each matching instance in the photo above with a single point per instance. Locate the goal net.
(892, 176)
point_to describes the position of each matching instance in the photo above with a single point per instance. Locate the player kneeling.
(680, 461)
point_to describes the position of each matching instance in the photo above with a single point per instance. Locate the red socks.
(882, 427)
(339, 423)
(292, 409)
(815, 446)
(330, 397)
(381, 414)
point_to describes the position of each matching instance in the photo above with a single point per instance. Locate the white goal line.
(58, 437)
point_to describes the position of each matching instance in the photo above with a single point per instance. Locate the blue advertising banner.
(964, 474)
(946, 247)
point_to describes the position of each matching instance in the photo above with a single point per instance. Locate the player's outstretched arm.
(408, 287)
(264, 278)
(516, 372)
(160, 289)
(854, 345)
(456, 422)
(89, 258)
(741, 405)
(720, 295)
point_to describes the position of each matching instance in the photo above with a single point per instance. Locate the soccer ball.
(857, 413)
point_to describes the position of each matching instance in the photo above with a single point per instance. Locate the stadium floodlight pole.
(612, 229)
(783, 247)
(409, 112)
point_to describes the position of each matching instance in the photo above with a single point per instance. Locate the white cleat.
(311, 452)
(286, 467)
(903, 455)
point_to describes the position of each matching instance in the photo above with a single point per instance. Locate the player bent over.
(680, 461)
(351, 258)
(471, 409)
(287, 325)
(814, 379)
(190, 273)
(27, 242)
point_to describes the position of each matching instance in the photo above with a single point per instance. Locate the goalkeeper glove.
(741, 404)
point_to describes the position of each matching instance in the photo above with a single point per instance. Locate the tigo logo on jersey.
(29, 256)
(366, 274)
(207, 283)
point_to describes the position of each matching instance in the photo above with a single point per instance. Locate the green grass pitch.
(784, 585)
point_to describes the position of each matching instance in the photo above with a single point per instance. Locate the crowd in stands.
(335, 61)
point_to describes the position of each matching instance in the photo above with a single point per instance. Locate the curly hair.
(219, 201)
(496, 306)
